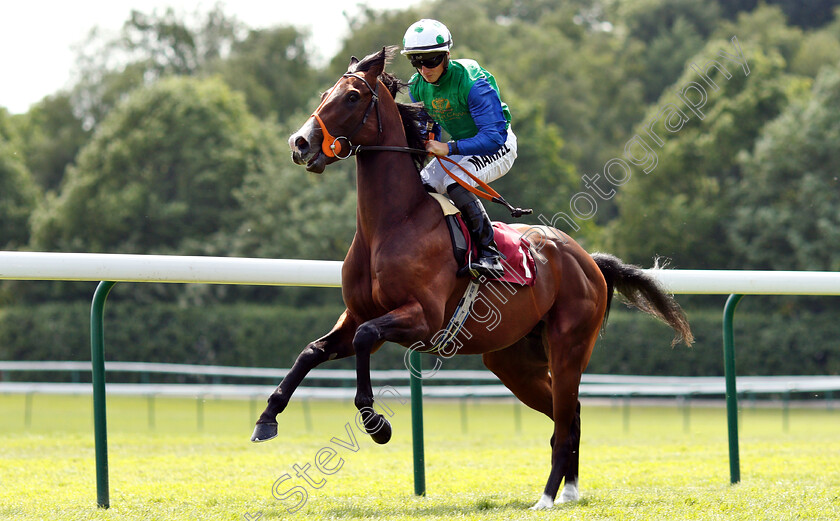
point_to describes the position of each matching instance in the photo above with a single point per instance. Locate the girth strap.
(456, 323)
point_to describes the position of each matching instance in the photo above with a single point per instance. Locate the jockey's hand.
(437, 148)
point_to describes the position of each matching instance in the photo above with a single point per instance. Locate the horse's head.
(348, 111)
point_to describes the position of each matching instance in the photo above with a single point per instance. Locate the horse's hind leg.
(572, 448)
(336, 344)
(523, 368)
(569, 341)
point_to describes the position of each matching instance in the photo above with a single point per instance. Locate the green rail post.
(97, 359)
(416, 385)
(307, 415)
(27, 411)
(686, 410)
(150, 405)
(786, 411)
(625, 416)
(199, 413)
(517, 416)
(731, 388)
(464, 414)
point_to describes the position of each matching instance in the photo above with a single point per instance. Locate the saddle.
(517, 257)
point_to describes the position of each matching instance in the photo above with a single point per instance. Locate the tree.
(682, 208)
(52, 136)
(788, 216)
(149, 47)
(812, 13)
(169, 45)
(18, 192)
(670, 32)
(818, 49)
(294, 214)
(272, 68)
(161, 169)
(371, 30)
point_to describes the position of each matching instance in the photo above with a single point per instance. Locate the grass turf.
(194, 461)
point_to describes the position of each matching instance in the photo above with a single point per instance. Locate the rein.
(489, 193)
(331, 147)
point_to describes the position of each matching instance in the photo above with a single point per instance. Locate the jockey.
(462, 97)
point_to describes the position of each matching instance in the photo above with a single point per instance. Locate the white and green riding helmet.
(426, 36)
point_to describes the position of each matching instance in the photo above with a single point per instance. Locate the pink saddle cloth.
(520, 267)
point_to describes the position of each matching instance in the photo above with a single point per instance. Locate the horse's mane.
(412, 114)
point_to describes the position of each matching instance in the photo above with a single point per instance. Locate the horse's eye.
(353, 97)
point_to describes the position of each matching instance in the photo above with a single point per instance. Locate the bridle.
(331, 146)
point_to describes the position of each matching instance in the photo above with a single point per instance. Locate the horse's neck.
(389, 191)
(388, 185)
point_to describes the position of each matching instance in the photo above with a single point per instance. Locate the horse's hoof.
(544, 503)
(570, 494)
(382, 435)
(264, 432)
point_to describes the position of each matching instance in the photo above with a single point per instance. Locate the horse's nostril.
(302, 145)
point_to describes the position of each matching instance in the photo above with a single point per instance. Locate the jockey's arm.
(486, 111)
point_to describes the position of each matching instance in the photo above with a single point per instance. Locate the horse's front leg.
(336, 344)
(403, 325)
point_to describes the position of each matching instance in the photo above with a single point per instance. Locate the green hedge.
(241, 334)
(273, 335)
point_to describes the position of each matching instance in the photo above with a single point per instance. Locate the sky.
(37, 37)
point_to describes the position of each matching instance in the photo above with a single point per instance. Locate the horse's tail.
(642, 291)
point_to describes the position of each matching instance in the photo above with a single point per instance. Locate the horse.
(400, 282)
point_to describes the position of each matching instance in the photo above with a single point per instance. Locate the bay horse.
(399, 280)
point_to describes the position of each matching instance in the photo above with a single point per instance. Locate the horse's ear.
(353, 62)
(378, 66)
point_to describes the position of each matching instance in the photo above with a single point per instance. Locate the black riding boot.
(478, 222)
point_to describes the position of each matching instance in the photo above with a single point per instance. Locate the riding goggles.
(430, 61)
